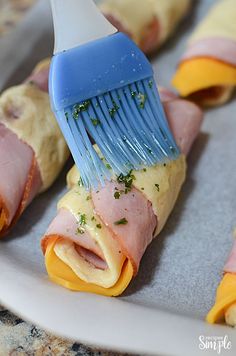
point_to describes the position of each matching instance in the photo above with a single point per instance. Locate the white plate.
(162, 311)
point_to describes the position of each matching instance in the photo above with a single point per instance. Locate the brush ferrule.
(94, 69)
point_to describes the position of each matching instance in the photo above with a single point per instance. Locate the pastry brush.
(102, 90)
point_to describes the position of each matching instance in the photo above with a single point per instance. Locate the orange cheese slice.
(63, 275)
(202, 73)
(225, 297)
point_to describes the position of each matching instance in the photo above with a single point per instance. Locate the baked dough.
(26, 111)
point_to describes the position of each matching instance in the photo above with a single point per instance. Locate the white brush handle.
(77, 22)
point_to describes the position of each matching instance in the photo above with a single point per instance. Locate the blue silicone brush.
(102, 90)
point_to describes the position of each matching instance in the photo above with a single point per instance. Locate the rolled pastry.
(96, 241)
(224, 309)
(207, 70)
(148, 22)
(32, 149)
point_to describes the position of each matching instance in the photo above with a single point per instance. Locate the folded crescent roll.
(27, 126)
(148, 22)
(225, 304)
(207, 70)
(96, 241)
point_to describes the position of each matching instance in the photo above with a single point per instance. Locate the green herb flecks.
(82, 220)
(145, 169)
(126, 180)
(80, 107)
(80, 182)
(132, 92)
(108, 166)
(88, 198)
(142, 100)
(122, 221)
(114, 109)
(95, 122)
(117, 195)
(80, 230)
(150, 84)
(98, 226)
(158, 187)
(82, 223)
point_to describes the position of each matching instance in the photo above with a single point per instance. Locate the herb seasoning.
(150, 84)
(122, 221)
(108, 166)
(114, 109)
(81, 222)
(80, 182)
(117, 195)
(79, 108)
(95, 122)
(142, 100)
(127, 180)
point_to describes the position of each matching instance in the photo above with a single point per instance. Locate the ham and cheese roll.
(207, 70)
(32, 149)
(148, 22)
(225, 304)
(96, 241)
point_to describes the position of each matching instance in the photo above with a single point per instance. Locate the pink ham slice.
(134, 236)
(86, 247)
(230, 265)
(223, 49)
(12, 184)
(166, 94)
(40, 78)
(67, 225)
(20, 175)
(185, 119)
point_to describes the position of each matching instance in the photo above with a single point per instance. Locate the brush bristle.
(129, 127)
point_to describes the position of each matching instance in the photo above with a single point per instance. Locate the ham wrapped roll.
(225, 304)
(27, 127)
(148, 22)
(96, 241)
(207, 71)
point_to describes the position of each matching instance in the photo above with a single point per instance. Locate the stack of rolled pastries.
(97, 239)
